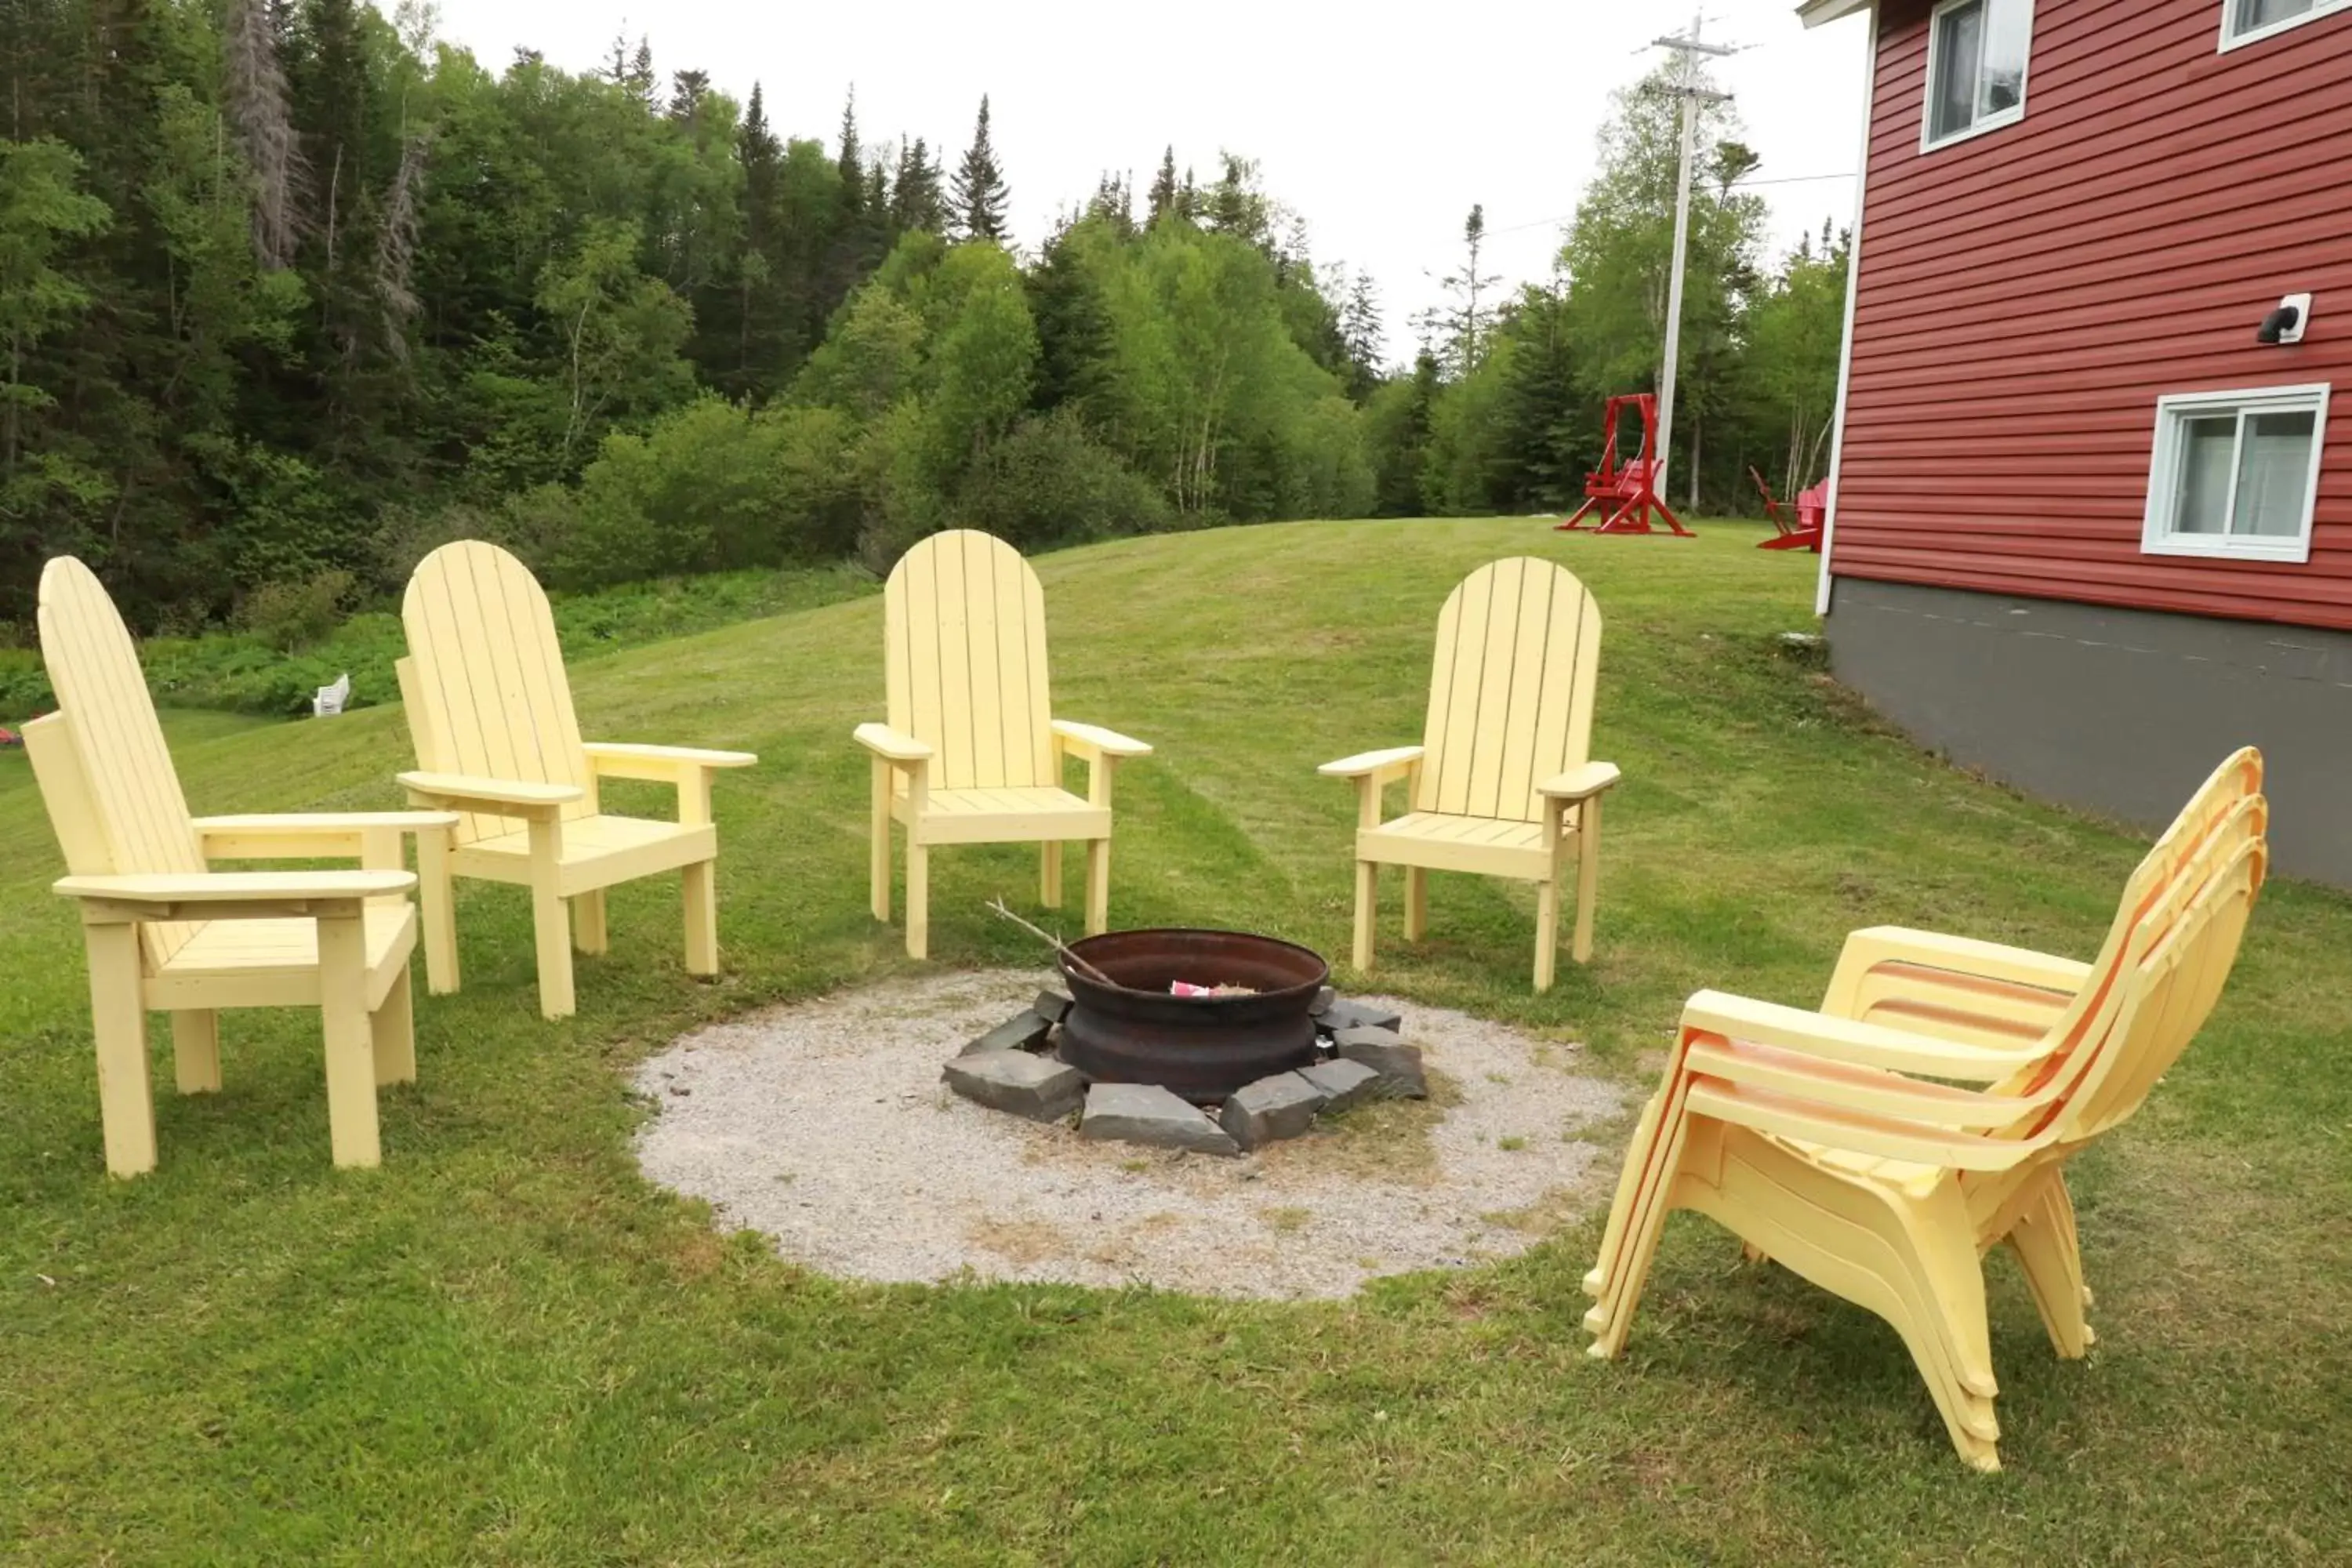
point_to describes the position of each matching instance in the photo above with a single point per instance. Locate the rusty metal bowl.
(1202, 1048)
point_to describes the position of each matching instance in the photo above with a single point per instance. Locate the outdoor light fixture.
(2285, 324)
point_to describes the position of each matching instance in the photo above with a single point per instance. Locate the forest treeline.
(291, 291)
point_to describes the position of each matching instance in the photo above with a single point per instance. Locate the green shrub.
(293, 614)
(1050, 483)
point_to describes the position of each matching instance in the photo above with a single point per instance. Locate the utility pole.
(1691, 49)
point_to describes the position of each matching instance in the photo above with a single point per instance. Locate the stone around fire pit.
(1051, 1006)
(1038, 1087)
(1283, 1106)
(1343, 1013)
(1345, 1084)
(1025, 1033)
(1385, 1052)
(1147, 1113)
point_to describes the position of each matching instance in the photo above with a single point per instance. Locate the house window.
(1976, 67)
(2236, 473)
(2244, 21)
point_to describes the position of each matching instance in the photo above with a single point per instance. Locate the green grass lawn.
(505, 1347)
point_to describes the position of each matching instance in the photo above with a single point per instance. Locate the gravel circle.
(826, 1126)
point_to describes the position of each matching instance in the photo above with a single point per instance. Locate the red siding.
(2026, 296)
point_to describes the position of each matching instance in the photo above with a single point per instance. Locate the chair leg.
(2044, 1242)
(391, 1028)
(1098, 886)
(1546, 933)
(1587, 875)
(436, 909)
(919, 898)
(1049, 875)
(550, 924)
(126, 1101)
(878, 853)
(350, 1042)
(195, 1052)
(1416, 903)
(701, 884)
(589, 932)
(1611, 1320)
(1368, 894)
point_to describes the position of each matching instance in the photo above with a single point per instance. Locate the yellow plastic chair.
(489, 711)
(973, 754)
(1843, 1149)
(1502, 784)
(166, 933)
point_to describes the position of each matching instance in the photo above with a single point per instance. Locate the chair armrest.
(1870, 1091)
(1858, 1132)
(309, 835)
(659, 764)
(495, 796)
(1844, 1040)
(1580, 784)
(1961, 955)
(1382, 765)
(1092, 741)
(890, 745)
(231, 895)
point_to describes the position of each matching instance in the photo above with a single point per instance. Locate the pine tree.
(1360, 329)
(1162, 200)
(980, 195)
(687, 92)
(260, 106)
(850, 160)
(915, 200)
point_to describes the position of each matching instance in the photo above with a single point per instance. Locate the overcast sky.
(1380, 124)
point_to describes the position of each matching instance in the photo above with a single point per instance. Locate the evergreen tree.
(1162, 199)
(979, 196)
(915, 205)
(850, 160)
(1362, 334)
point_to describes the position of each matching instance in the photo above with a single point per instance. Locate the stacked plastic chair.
(1841, 1143)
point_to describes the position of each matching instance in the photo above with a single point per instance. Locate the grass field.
(504, 1347)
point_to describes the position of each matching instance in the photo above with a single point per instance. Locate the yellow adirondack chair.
(1841, 1148)
(973, 754)
(489, 709)
(1502, 784)
(166, 933)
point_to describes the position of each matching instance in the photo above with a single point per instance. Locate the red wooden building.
(2091, 520)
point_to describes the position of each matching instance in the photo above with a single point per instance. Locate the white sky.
(1380, 125)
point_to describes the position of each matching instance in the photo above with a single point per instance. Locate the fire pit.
(1202, 1047)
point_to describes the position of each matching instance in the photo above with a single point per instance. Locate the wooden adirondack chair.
(1841, 1147)
(489, 709)
(973, 754)
(1501, 784)
(166, 933)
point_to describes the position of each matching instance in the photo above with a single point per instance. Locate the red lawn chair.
(1626, 494)
(1812, 512)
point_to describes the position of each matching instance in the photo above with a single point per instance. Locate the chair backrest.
(484, 685)
(964, 661)
(1510, 696)
(2175, 982)
(106, 774)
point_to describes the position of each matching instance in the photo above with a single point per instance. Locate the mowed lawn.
(506, 1347)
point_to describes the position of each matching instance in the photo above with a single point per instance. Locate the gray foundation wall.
(2118, 711)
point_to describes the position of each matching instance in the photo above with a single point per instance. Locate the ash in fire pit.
(1267, 1051)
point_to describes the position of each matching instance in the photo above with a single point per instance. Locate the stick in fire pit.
(1072, 959)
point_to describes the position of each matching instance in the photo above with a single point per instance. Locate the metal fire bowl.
(1202, 1048)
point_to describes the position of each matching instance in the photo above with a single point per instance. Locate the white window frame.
(2240, 40)
(2174, 410)
(1929, 140)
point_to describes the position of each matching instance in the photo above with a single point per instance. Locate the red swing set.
(1812, 510)
(1626, 493)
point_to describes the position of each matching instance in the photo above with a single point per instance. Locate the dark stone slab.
(1383, 1051)
(1034, 1087)
(1147, 1113)
(1283, 1106)
(1348, 1084)
(1024, 1033)
(1343, 1013)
